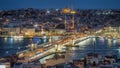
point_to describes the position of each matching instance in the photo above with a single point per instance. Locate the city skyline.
(46, 4)
(60, 33)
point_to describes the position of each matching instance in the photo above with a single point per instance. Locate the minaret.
(66, 11)
(73, 21)
(73, 26)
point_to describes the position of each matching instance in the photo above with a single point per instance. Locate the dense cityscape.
(59, 38)
(50, 19)
(53, 36)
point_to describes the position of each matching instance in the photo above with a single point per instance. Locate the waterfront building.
(58, 31)
(28, 31)
(11, 31)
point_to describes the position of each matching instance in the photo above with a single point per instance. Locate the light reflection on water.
(86, 46)
(109, 42)
(115, 41)
(102, 46)
(9, 46)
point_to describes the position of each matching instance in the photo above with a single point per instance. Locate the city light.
(73, 12)
(2, 66)
(5, 39)
(35, 25)
(49, 37)
(66, 10)
(48, 11)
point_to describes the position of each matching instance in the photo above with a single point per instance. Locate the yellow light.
(5, 38)
(21, 55)
(66, 10)
(32, 45)
(7, 20)
(72, 12)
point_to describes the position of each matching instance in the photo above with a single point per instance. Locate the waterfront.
(60, 34)
(9, 46)
(98, 45)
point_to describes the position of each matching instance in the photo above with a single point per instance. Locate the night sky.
(43, 4)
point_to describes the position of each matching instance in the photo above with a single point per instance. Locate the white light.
(35, 25)
(44, 37)
(114, 42)
(42, 32)
(11, 39)
(32, 45)
(44, 40)
(48, 11)
(57, 9)
(5, 38)
(73, 48)
(94, 40)
(2, 66)
(17, 37)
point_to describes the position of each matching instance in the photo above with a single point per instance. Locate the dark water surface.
(9, 46)
(99, 45)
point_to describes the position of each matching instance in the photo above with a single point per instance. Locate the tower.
(65, 12)
(73, 20)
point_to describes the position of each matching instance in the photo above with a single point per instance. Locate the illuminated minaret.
(73, 21)
(73, 26)
(66, 11)
(71, 11)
